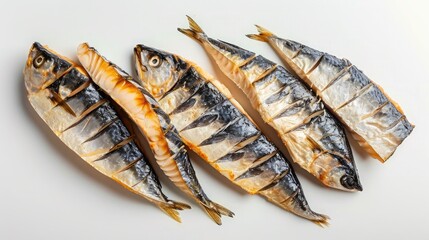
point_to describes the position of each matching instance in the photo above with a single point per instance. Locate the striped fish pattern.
(375, 120)
(86, 121)
(314, 138)
(214, 125)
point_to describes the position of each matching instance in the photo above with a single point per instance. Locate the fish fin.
(194, 30)
(178, 205)
(263, 35)
(214, 215)
(320, 219)
(194, 26)
(215, 211)
(223, 210)
(171, 207)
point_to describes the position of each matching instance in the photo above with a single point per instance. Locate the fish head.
(43, 67)
(345, 178)
(157, 70)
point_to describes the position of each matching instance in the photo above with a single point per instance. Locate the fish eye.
(38, 61)
(155, 61)
(347, 181)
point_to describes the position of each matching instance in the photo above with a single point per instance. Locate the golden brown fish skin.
(163, 138)
(375, 120)
(215, 126)
(314, 138)
(63, 95)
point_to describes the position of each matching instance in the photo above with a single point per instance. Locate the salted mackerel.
(375, 120)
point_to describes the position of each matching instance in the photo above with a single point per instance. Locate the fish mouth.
(351, 183)
(137, 54)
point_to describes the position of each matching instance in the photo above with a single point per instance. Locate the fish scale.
(290, 107)
(92, 130)
(376, 121)
(220, 132)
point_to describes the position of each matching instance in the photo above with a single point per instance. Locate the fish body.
(83, 118)
(214, 125)
(164, 140)
(314, 137)
(375, 120)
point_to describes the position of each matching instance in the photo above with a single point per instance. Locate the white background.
(47, 192)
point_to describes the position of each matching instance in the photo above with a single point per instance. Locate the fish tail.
(320, 219)
(317, 218)
(171, 207)
(194, 30)
(215, 211)
(263, 35)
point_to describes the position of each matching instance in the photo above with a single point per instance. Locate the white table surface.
(47, 192)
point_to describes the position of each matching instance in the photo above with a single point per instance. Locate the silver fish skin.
(376, 121)
(84, 119)
(315, 139)
(164, 141)
(214, 125)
